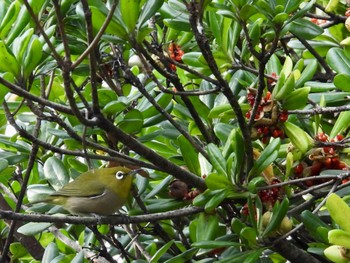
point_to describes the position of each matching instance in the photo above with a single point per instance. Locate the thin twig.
(97, 38)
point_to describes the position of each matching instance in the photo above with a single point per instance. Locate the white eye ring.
(119, 175)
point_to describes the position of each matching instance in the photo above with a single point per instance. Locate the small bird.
(101, 192)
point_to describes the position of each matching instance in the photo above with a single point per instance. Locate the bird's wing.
(81, 187)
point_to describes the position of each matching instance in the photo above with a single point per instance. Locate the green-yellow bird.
(101, 191)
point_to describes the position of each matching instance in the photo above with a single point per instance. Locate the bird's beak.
(133, 172)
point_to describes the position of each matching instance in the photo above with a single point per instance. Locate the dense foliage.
(237, 111)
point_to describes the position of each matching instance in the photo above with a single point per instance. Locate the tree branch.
(92, 220)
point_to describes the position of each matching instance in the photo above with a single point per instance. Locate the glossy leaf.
(298, 136)
(161, 251)
(56, 173)
(8, 60)
(341, 81)
(341, 124)
(31, 229)
(317, 228)
(268, 155)
(296, 99)
(207, 227)
(132, 122)
(129, 10)
(305, 29)
(338, 60)
(217, 159)
(216, 200)
(339, 211)
(189, 155)
(279, 211)
(148, 10)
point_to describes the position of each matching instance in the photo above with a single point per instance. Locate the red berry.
(299, 169)
(322, 137)
(339, 137)
(316, 168)
(328, 163)
(283, 116)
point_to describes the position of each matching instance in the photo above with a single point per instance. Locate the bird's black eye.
(119, 175)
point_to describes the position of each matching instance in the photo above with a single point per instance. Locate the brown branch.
(115, 156)
(321, 110)
(92, 57)
(92, 220)
(158, 160)
(27, 95)
(203, 43)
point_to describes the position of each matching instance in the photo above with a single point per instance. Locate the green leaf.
(3, 89)
(113, 28)
(178, 24)
(203, 198)
(338, 60)
(250, 256)
(32, 228)
(129, 10)
(51, 252)
(20, 44)
(280, 92)
(207, 227)
(8, 60)
(132, 122)
(341, 124)
(183, 257)
(148, 10)
(305, 29)
(268, 155)
(298, 136)
(217, 182)
(32, 56)
(307, 74)
(148, 111)
(217, 159)
(247, 11)
(279, 211)
(339, 211)
(341, 81)
(114, 107)
(315, 226)
(339, 237)
(249, 234)
(297, 99)
(189, 154)
(9, 19)
(79, 257)
(18, 251)
(205, 244)
(211, 205)
(56, 173)
(160, 252)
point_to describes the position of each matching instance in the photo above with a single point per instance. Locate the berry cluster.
(175, 53)
(270, 196)
(321, 158)
(267, 118)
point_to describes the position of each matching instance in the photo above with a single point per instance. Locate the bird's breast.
(105, 204)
